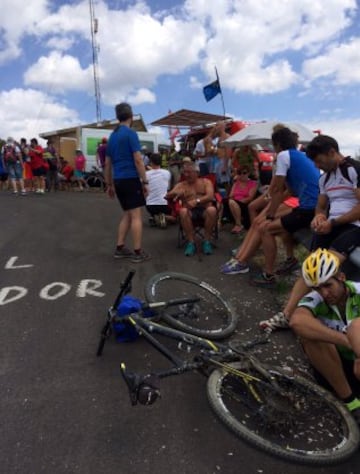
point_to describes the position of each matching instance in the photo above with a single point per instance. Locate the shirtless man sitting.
(197, 196)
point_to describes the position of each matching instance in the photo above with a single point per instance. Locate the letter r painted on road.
(88, 287)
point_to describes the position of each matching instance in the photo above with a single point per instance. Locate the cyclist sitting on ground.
(328, 322)
(197, 196)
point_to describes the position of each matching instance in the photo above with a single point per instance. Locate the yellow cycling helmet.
(319, 267)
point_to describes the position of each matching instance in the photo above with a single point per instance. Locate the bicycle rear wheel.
(304, 423)
(210, 317)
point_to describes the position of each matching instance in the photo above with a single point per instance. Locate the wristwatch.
(333, 222)
(197, 201)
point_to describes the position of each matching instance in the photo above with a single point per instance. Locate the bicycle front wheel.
(210, 317)
(301, 422)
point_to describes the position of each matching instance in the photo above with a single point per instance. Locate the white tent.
(260, 134)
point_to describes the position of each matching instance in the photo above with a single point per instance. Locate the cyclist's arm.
(305, 325)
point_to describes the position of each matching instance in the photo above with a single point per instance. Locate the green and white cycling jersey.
(330, 315)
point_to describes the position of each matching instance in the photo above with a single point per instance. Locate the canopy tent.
(260, 134)
(189, 119)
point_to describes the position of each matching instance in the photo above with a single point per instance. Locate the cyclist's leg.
(354, 338)
(325, 358)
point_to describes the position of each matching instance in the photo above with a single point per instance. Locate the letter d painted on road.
(19, 291)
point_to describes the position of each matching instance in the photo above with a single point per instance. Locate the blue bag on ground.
(124, 331)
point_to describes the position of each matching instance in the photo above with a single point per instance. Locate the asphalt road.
(65, 411)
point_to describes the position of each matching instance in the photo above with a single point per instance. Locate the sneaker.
(207, 247)
(234, 267)
(264, 280)
(123, 253)
(162, 221)
(140, 257)
(23, 193)
(190, 249)
(278, 321)
(287, 266)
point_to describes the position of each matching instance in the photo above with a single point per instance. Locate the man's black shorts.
(343, 239)
(129, 193)
(197, 213)
(297, 219)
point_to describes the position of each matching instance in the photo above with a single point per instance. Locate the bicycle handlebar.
(125, 287)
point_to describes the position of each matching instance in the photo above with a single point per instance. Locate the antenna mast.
(95, 50)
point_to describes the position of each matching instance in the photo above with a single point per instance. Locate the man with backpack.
(336, 224)
(13, 163)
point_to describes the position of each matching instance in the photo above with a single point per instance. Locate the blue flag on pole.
(212, 90)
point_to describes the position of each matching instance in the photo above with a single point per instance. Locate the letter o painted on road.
(47, 292)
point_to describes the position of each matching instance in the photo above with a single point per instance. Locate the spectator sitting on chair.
(159, 183)
(197, 196)
(327, 320)
(242, 192)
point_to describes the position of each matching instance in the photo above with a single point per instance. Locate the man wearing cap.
(197, 197)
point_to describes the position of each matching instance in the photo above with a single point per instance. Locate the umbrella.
(260, 134)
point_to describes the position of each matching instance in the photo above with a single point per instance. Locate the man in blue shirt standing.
(125, 176)
(299, 174)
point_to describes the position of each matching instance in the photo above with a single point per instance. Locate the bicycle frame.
(209, 354)
(145, 327)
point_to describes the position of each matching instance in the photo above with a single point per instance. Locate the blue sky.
(296, 60)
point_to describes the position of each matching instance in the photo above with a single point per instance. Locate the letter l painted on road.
(10, 264)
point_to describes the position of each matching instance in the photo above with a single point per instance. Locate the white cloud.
(59, 73)
(60, 43)
(26, 112)
(142, 96)
(341, 62)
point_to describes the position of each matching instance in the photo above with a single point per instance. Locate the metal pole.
(94, 29)
(221, 94)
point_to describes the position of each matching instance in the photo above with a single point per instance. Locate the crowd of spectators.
(27, 167)
(266, 199)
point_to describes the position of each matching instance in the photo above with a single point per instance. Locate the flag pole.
(222, 97)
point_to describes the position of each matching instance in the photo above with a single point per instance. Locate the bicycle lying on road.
(275, 409)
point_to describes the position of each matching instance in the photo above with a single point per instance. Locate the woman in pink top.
(80, 165)
(242, 192)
